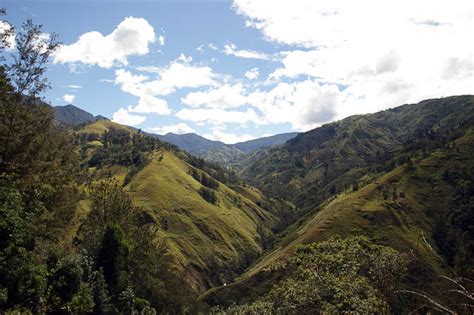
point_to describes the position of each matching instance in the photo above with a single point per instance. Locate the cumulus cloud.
(304, 104)
(226, 96)
(231, 49)
(394, 53)
(122, 116)
(179, 128)
(131, 37)
(179, 74)
(252, 74)
(69, 98)
(148, 104)
(218, 117)
(229, 138)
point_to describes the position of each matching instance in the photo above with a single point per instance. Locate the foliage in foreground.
(338, 275)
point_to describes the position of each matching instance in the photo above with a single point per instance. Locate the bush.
(204, 179)
(209, 182)
(335, 276)
(208, 194)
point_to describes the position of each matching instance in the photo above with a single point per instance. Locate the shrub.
(208, 194)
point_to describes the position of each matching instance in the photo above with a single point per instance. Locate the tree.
(335, 276)
(100, 292)
(113, 258)
(32, 148)
(22, 279)
(36, 165)
(33, 50)
(208, 194)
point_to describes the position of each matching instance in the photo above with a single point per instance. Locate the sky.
(243, 69)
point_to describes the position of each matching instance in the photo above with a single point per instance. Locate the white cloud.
(122, 116)
(226, 96)
(69, 98)
(229, 138)
(149, 104)
(180, 128)
(200, 48)
(252, 74)
(74, 86)
(231, 49)
(131, 37)
(385, 53)
(130, 83)
(218, 117)
(305, 105)
(107, 80)
(178, 74)
(161, 40)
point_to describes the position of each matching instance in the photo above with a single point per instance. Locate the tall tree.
(36, 165)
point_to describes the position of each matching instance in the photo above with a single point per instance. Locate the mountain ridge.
(211, 150)
(72, 116)
(402, 177)
(217, 151)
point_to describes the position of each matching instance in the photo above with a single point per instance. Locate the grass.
(199, 234)
(404, 223)
(101, 126)
(208, 244)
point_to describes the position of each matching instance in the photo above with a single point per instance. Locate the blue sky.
(242, 69)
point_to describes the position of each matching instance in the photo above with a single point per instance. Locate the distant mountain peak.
(217, 151)
(71, 115)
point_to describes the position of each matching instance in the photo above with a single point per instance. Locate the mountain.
(359, 214)
(213, 151)
(316, 164)
(265, 142)
(209, 242)
(403, 177)
(72, 116)
(219, 152)
(190, 142)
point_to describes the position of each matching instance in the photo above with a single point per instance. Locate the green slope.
(420, 200)
(208, 244)
(313, 166)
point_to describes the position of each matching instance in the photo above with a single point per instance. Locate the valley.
(365, 175)
(303, 169)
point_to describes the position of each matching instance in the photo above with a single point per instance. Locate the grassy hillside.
(418, 200)
(315, 165)
(208, 243)
(99, 127)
